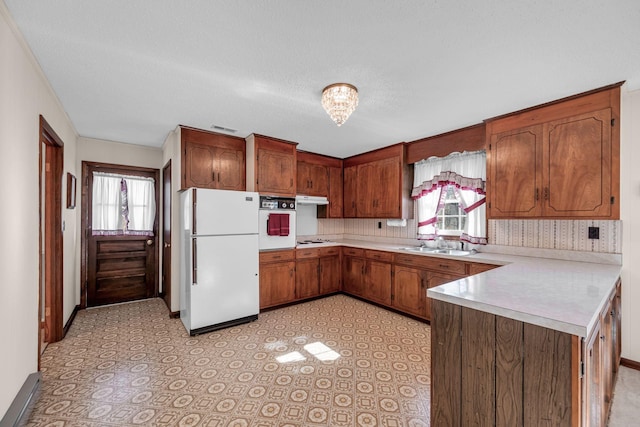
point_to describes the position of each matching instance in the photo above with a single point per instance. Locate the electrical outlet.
(594, 232)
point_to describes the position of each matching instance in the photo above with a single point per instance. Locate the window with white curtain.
(438, 180)
(123, 204)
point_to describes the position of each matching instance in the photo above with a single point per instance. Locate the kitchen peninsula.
(535, 342)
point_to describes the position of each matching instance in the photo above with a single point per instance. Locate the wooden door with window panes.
(120, 241)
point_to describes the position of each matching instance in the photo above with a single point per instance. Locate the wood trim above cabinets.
(471, 138)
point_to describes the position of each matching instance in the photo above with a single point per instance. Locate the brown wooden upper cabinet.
(378, 184)
(313, 175)
(561, 160)
(271, 166)
(320, 175)
(212, 160)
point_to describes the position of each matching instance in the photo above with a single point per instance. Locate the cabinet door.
(303, 178)
(354, 275)
(319, 178)
(378, 282)
(592, 407)
(335, 193)
(330, 274)
(312, 179)
(276, 172)
(516, 174)
(350, 208)
(367, 188)
(476, 268)
(577, 162)
(229, 169)
(409, 290)
(277, 283)
(607, 342)
(307, 271)
(198, 164)
(617, 325)
(386, 189)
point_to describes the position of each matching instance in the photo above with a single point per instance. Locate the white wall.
(100, 150)
(630, 215)
(25, 95)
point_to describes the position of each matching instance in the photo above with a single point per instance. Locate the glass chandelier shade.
(339, 100)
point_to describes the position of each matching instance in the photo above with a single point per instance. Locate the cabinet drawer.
(307, 253)
(379, 256)
(431, 263)
(353, 252)
(331, 251)
(275, 256)
(476, 268)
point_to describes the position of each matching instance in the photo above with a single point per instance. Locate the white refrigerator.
(219, 257)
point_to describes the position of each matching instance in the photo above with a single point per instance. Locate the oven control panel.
(279, 203)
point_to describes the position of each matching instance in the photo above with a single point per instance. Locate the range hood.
(311, 200)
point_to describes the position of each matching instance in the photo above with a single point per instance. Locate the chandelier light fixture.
(339, 100)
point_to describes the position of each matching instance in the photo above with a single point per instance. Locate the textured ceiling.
(130, 71)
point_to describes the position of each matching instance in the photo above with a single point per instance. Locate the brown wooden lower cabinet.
(353, 271)
(491, 370)
(277, 277)
(330, 274)
(377, 281)
(368, 274)
(395, 280)
(292, 275)
(307, 278)
(410, 290)
(318, 271)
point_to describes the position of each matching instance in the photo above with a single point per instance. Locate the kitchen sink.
(419, 249)
(455, 252)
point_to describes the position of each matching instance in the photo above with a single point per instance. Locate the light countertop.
(563, 295)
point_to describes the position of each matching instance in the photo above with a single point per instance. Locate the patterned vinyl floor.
(335, 361)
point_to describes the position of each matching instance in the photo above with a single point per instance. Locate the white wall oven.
(277, 227)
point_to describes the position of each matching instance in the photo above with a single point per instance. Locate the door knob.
(149, 242)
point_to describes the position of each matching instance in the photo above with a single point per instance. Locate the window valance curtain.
(123, 205)
(467, 173)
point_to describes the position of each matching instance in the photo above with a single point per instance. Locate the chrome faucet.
(441, 243)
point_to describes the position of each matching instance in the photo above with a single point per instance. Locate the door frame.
(166, 261)
(87, 169)
(50, 236)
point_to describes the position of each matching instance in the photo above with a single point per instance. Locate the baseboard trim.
(70, 321)
(18, 412)
(627, 363)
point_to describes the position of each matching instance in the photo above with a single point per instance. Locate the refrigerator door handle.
(194, 262)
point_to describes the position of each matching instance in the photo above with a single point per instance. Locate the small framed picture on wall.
(71, 191)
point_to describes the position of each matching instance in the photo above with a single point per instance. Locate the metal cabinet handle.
(194, 262)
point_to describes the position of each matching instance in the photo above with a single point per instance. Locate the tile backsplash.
(569, 235)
